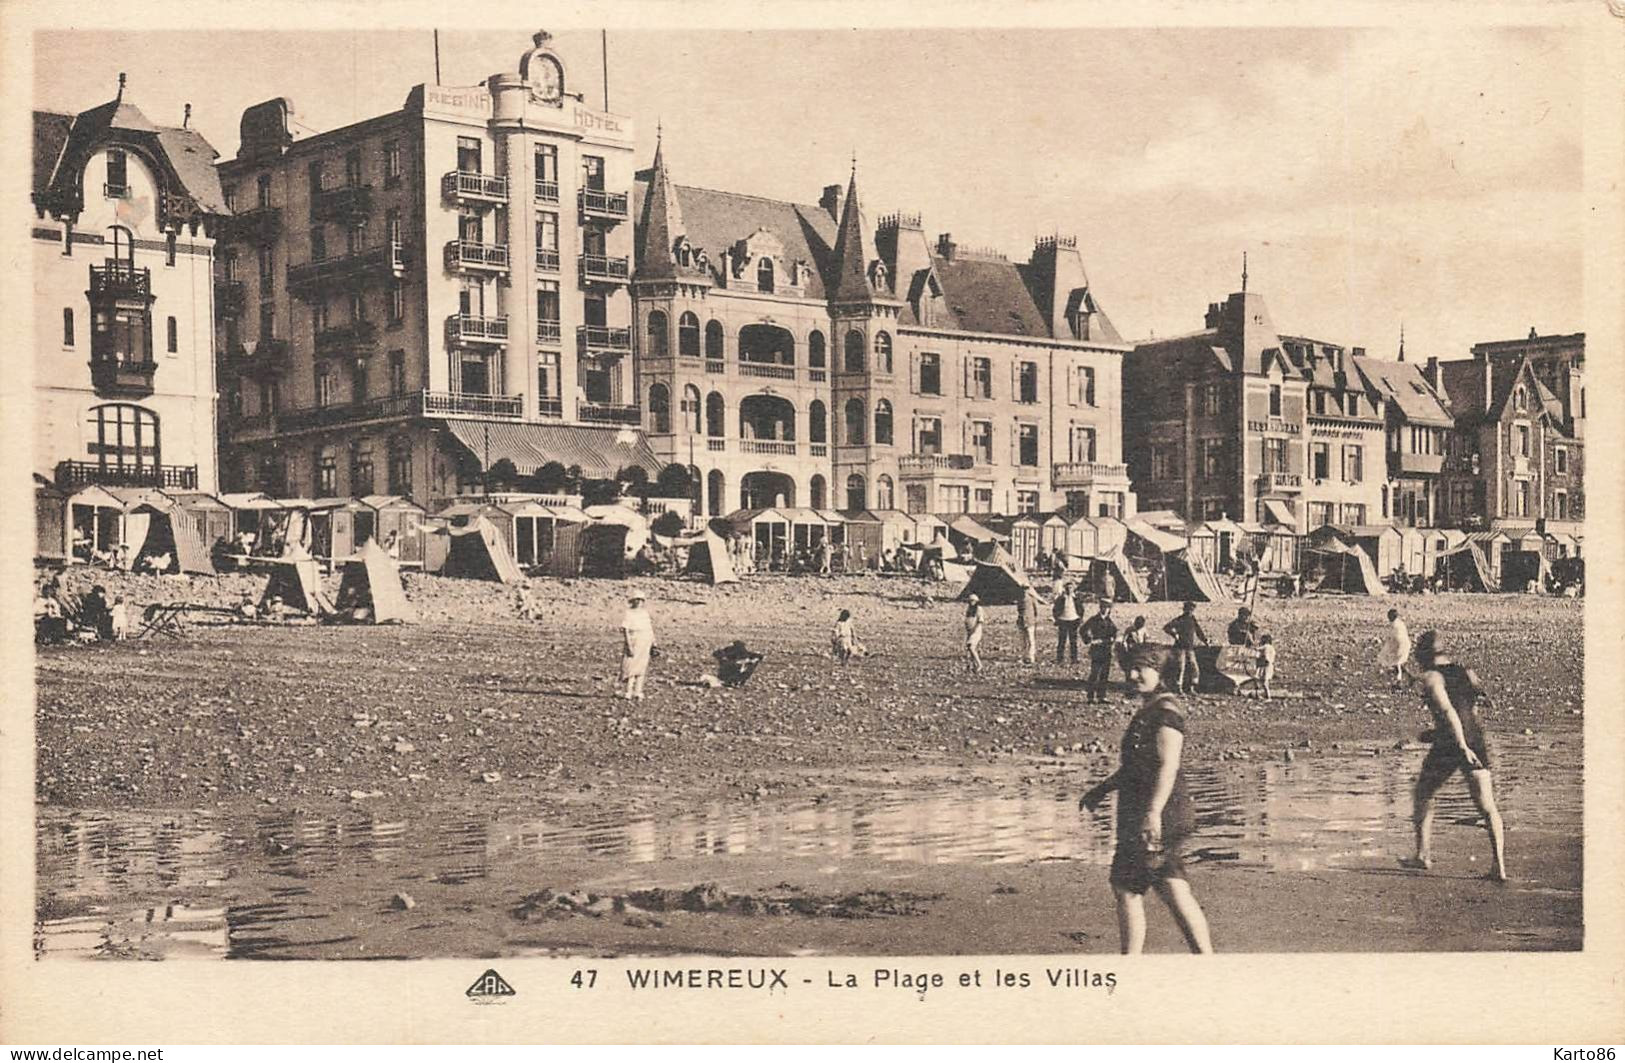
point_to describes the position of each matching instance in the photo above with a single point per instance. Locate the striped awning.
(600, 452)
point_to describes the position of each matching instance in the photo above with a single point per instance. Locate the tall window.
(468, 154)
(118, 174)
(1521, 440)
(981, 442)
(327, 472)
(1212, 399)
(691, 409)
(1275, 400)
(1320, 513)
(317, 179)
(361, 472)
(1027, 446)
(883, 352)
(817, 427)
(169, 249)
(854, 421)
(981, 378)
(1026, 501)
(714, 341)
(121, 335)
(470, 227)
(764, 275)
(124, 437)
(688, 335)
(392, 227)
(914, 498)
(592, 173)
(660, 408)
(397, 302)
(326, 393)
(883, 423)
(547, 172)
(352, 168)
(123, 246)
(1027, 383)
(172, 339)
(815, 349)
(1211, 455)
(397, 373)
(885, 493)
(400, 466)
(1561, 458)
(1083, 443)
(930, 374)
(1275, 455)
(267, 273)
(547, 231)
(392, 161)
(928, 435)
(1320, 460)
(659, 341)
(318, 244)
(857, 495)
(262, 191)
(267, 322)
(1353, 463)
(1164, 462)
(853, 362)
(67, 328)
(547, 306)
(1086, 385)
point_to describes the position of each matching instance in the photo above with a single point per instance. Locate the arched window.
(660, 408)
(714, 499)
(815, 349)
(691, 409)
(883, 422)
(716, 414)
(815, 492)
(126, 437)
(817, 426)
(122, 243)
(696, 488)
(854, 421)
(713, 340)
(764, 275)
(882, 352)
(688, 335)
(884, 497)
(659, 341)
(856, 493)
(1523, 398)
(854, 352)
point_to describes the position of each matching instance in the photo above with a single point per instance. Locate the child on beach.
(1266, 664)
(844, 639)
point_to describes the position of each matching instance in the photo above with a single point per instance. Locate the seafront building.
(126, 214)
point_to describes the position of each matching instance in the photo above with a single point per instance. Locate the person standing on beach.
(974, 630)
(1452, 694)
(638, 643)
(1396, 647)
(1186, 630)
(1099, 633)
(1065, 611)
(1027, 624)
(844, 639)
(1154, 814)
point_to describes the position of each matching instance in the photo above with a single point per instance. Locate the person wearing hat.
(973, 634)
(1099, 632)
(1186, 630)
(638, 643)
(1065, 611)
(1027, 624)
(1452, 694)
(1154, 813)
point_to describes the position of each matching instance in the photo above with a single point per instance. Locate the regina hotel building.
(481, 275)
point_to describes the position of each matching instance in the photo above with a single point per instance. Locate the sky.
(1375, 178)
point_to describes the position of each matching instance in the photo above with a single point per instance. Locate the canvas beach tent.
(1128, 584)
(298, 582)
(1187, 579)
(1464, 569)
(372, 580)
(1345, 569)
(477, 551)
(996, 580)
(708, 559)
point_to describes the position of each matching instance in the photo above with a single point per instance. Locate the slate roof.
(1463, 382)
(985, 295)
(50, 137)
(1403, 385)
(63, 143)
(1184, 355)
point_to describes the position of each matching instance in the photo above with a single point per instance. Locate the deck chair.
(163, 618)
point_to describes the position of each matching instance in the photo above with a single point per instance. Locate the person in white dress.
(638, 642)
(1396, 648)
(973, 634)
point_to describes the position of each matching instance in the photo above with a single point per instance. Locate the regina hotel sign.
(476, 103)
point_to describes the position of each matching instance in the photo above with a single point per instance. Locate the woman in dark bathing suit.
(1452, 695)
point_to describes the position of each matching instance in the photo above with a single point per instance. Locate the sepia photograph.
(815, 493)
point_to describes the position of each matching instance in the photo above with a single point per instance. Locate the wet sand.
(256, 743)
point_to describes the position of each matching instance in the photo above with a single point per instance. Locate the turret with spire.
(660, 227)
(849, 280)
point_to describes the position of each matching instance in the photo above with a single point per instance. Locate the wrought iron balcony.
(608, 413)
(470, 255)
(550, 406)
(1280, 481)
(547, 191)
(124, 378)
(347, 269)
(229, 297)
(258, 226)
(115, 191)
(548, 332)
(601, 339)
(345, 203)
(465, 186)
(471, 328)
(604, 269)
(547, 261)
(265, 358)
(931, 464)
(598, 205)
(342, 339)
(86, 473)
(384, 408)
(464, 404)
(1085, 473)
(121, 281)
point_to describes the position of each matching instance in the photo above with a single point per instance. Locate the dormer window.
(684, 254)
(1521, 400)
(764, 275)
(118, 174)
(877, 275)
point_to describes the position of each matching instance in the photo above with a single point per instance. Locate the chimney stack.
(831, 201)
(1431, 373)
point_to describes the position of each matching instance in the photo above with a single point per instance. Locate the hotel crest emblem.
(543, 71)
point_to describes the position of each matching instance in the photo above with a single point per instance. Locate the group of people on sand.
(96, 617)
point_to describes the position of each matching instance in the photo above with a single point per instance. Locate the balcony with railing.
(781, 447)
(547, 191)
(597, 205)
(770, 372)
(465, 186)
(383, 408)
(347, 268)
(547, 261)
(70, 474)
(230, 297)
(465, 404)
(818, 450)
(932, 464)
(604, 269)
(1271, 482)
(609, 413)
(472, 328)
(1086, 473)
(548, 333)
(344, 204)
(115, 376)
(603, 339)
(344, 339)
(120, 281)
(550, 406)
(262, 358)
(261, 225)
(716, 365)
(716, 444)
(471, 255)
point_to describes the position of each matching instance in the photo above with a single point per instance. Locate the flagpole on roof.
(437, 57)
(603, 40)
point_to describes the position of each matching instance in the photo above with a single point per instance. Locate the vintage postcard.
(892, 523)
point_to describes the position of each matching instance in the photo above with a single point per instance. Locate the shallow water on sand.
(218, 886)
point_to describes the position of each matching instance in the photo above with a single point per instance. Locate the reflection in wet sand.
(1315, 812)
